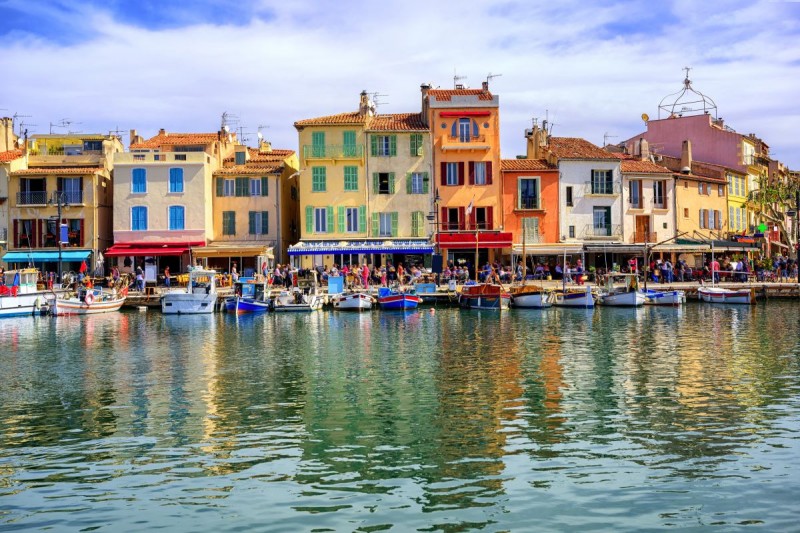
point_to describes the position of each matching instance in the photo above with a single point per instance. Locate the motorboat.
(295, 300)
(356, 301)
(531, 297)
(574, 297)
(484, 296)
(626, 295)
(250, 296)
(198, 297)
(87, 301)
(398, 298)
(721, 295)
(19, 295)
(670, 297)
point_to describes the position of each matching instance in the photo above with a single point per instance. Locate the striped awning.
(45, 256)
(361, 247)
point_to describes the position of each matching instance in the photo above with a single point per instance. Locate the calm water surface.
(615, 419)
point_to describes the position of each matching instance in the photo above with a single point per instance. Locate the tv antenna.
(456, 79)
(375, 98)
(547, 126)
(259, 134)
(606, 137)
(63, 123)
(117, 132)
(228, 120)
(16, 118)
(491, 76)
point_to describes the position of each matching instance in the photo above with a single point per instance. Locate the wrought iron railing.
(333, 151)
(602, 188)
(32, 198)
(594, 231)
(466, 138)
(68, 197)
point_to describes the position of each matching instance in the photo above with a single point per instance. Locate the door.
(642, 229)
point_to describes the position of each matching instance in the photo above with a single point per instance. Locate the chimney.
(364, 104)
(686, 157)
(135, 138)
(7, 142)
(264, 147)
(536, 143)
(162, 131)
(485, 86)
(424, 88)
(459, 86)
(644, 149)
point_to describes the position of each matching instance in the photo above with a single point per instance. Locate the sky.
(591, 67)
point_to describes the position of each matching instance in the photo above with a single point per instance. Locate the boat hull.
(242, 306)
(574, 299)
(672, 298)
(399, 301)
(182, 303)
(624, 299)
(532, 301)
(485, 301)
(313, 303)
(74, 306)
(719, 295)
(353, 302)
(21, 305)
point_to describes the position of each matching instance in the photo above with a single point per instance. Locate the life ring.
(89, 298)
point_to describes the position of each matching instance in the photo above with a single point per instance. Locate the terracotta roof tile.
(699, 171)
(507, 165)
(446, 95)
(342, 118)
(10, 155)
(576, 148)
(172, 139)
(397, 122)
(58, 170)
(251, 168)
(638, 166)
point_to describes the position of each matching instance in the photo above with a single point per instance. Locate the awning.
(45, 256)
(548, 249)
(682, 248)
(233, 250)
(361, 247)
(486, 239)
(633, 249)
(723, 246)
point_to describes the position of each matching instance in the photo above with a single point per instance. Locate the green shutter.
(391, 182)
(394, 223)
(309, 219)
(220, 186)
(408, 182)
(414, 224)
(349, 138)
(233, 222)
(330, 221)
(252, 222)
(375, 224)
(362, 219)
(376, 183)
(392, 144)
(264, 186)
(373, 143)
(265, 222)
(340, 211)
(425, 181)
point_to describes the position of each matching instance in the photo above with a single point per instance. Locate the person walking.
(166, 276)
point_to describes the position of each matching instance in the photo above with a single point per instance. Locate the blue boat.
(250, 296)
(393, 299)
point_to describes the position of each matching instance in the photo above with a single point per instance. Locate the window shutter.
(471, 170)
(16, 233)
(490, 217)
(394, 223)
(444, 223)
(376, 183)
(719, 219)
(265, 186)
(392, 144)
(373, 142)
(461, 173)
(233, 222)
(251, 222)
(309, 219)
(408, 182)
(362, 219)
(488, 173)
(461, 218)
(443, 169)
(414, 228)
(375, 226)
(391, 182)
(265, 222)
(329, 217)
(454, 129)
(425, 182)
(220, 186)
(38, 233)
(475, 131)
(340, 211)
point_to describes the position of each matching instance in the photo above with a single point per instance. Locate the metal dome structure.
(687, 101)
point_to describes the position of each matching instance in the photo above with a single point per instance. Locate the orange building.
(530, 200)
(465, 134)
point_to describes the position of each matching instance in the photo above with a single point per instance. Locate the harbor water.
(555, 420)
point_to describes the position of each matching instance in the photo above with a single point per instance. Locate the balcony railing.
(607, 231)
(68, 197)
(643, 237)
(333, 151)
(32, 198)
(602, 188)
(467, 138)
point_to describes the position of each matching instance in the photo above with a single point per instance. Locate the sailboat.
(529, 296)
(627, 295)
(574, 297)
(722, 295)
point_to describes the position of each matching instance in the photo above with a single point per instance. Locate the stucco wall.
(577, 173)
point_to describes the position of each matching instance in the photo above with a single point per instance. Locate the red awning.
(486, 239)
(116, 251)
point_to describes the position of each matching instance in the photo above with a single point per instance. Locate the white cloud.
(596, 69)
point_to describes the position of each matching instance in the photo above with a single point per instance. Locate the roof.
(397, 122)
(259, 162)
(510, 165)
(699, 172)
(353, 117)
(10, 155)
(80, 171)
(577, 148)
(172, 139)
(445, 95)
(633, 165)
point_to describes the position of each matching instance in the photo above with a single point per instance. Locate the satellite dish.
(645, 117)
(225, 128)
(20, 141)
(260, 135)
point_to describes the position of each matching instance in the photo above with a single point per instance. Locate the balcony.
(465, 142)
(607, 231)
(333, 151)
(641, 237)
(32, 198)
(68, 197)
(602, 188)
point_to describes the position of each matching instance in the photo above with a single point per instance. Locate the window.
(572, 232)
(92, 146)
(658, 194)
(229, 187)
(229, 222)
(138, 218)
(258, 222)
(351, 220)
(179, 157)
(71, 190)
(636, 194)
(383, 182)
(463, 129)
(255, 186)
(569, 196)
(417, 183)
(416, 144)
(720, 190)
(730, 184)
(176, 217)
(139, 180)
(384, 145)
(528, 193)
(240, 158)
(242, 187)
(417, 224)
(320, 220)
(685, 212)
(602, 182)
(482, 218)
(176, 180)
(703, 188)
(480, 173)
(732, 218)
(350, 178)
(452, 173)
(387, 224)
(318, 175)
(453, 219)
(601, 218)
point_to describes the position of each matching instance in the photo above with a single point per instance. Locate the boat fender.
(89, 298)
(38, 303)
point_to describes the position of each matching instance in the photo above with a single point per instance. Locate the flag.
(15, 283)
(83, 268)
(469, 207)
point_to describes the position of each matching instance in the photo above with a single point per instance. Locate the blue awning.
(45, 256)
(361, 247)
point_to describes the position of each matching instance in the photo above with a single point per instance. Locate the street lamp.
(59, 199)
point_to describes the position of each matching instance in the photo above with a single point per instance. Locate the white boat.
(295, 301)
(198, 297)
(19, 295)
(673, 297)
(626, 295)
(531, 297)
(727, 296)
(356, 301)
(574, 298)
(87, 302)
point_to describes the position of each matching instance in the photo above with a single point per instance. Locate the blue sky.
(592, 67)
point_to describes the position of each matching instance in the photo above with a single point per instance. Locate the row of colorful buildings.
(378, 188)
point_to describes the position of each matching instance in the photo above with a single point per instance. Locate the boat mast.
(524, 258)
